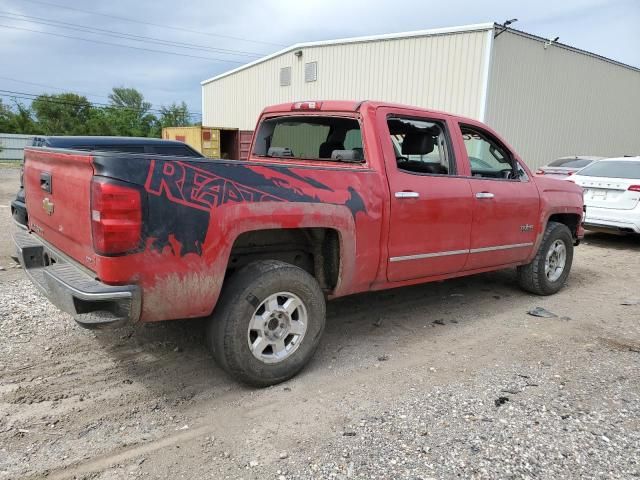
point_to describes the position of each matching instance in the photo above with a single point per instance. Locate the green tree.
(100, 122)
(6, 116)
(22, 120)
(62, 114)
(129, 98)
(175, 115)
(129, 113)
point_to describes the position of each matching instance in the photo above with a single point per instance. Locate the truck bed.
(192, 211)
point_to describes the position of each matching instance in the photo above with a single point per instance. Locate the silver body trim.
(500, 247)
(420, 256)
(428, 255)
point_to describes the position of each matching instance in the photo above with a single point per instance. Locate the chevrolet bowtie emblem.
(48, 206)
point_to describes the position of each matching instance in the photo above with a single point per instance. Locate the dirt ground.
(445, 380)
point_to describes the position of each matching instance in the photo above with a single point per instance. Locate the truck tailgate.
(58, 199)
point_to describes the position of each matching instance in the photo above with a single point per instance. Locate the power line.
(33, 96)
(126, 19)
(120, 45)
(98, 106)
(66, 90)
(127, 36)
(51, 86)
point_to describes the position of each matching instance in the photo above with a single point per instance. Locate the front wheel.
(548, 271)
(268, 323)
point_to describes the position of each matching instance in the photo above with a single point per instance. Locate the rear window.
(570, 163)
(310, 138)
(613, 169)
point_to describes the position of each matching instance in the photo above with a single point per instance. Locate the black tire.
(532, 277)
(241, 296)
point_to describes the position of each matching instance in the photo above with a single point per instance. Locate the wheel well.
(569, 219)
(316, 250)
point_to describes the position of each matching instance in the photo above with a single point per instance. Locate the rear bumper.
(609, 219)
(19, 213)
(93, 304)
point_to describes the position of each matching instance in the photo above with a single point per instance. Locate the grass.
(10, 164)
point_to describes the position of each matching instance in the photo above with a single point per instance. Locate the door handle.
(45, 181)
(407, 194)
(482, 195)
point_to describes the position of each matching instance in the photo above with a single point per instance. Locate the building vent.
(311, 71)
(285, 76)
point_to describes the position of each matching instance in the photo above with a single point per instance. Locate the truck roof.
(345, 106)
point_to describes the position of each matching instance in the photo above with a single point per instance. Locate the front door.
(505, 202)
(430, 215)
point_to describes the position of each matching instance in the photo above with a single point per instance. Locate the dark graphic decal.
(308, 180)
(185, 184)
(183, 197)
(355, 202)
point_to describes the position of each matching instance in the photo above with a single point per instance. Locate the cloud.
(608, 28)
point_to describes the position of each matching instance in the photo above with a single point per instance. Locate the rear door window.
(421, 146)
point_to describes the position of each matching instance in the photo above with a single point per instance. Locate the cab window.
(420, 146)
(487, 157)
(310, 138)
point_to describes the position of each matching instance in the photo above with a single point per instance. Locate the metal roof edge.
(569, 47)
(369, 38)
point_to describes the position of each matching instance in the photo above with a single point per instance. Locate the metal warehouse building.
(546, 98)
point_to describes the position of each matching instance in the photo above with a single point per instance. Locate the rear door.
(430, 217)
(506, 202)
(57, 191)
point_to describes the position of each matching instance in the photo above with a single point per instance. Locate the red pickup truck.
(336, 198)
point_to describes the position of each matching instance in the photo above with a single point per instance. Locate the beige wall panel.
(556, 102)
(443, 72)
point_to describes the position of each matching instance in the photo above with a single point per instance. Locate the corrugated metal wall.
(443, 72)
(12, 145)
(555, 102)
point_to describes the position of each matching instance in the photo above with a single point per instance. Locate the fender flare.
(235, 220)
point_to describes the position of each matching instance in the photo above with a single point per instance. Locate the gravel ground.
(447, 380)
(518, 422)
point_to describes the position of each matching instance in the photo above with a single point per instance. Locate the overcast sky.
(231, 33)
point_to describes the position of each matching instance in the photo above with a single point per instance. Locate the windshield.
(570, 163)
(310, 138)
(613, 169)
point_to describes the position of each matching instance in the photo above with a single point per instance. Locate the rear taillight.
(634, 188)
(539, 172)
(116, 217)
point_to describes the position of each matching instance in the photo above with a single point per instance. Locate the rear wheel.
(548, 271)
(268, 323)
